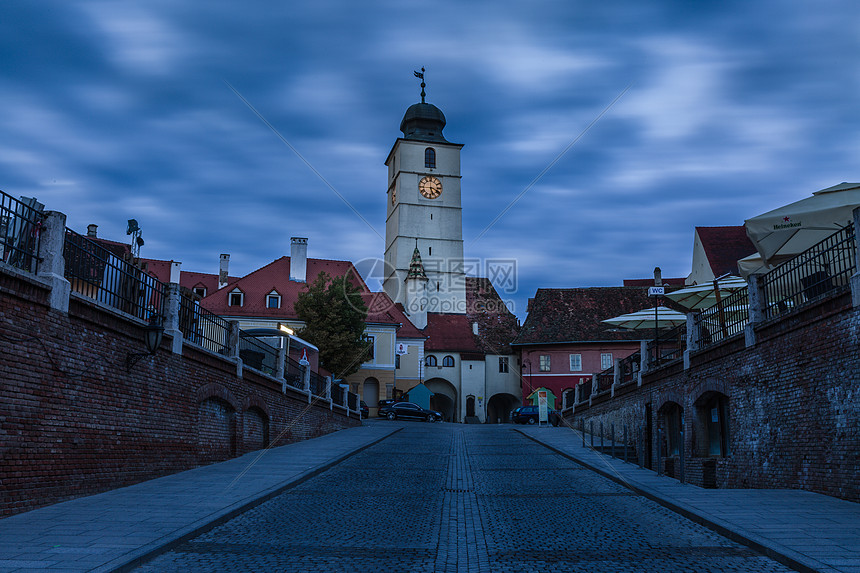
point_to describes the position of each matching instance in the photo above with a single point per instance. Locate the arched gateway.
(444, 398)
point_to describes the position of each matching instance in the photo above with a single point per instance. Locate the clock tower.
(424, 215)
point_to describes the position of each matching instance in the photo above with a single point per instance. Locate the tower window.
(430, 158)
(429, 250)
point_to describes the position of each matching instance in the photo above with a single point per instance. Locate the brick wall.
(74, 422)
(792, 405)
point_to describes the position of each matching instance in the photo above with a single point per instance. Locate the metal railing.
(605, 380)
(585, 391)
(257, 353)
(203, 327)
(630, 368)
(824, 267)
(668, 346)
(336, 394)
(723, 320)
(352, 400)
(20, 226)
(317, 384)
(102, 275)
(294, 373)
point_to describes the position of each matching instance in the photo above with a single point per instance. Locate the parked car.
(530, 415)
(365, 411)
(383, 404)
(408, 411)
(514, 413)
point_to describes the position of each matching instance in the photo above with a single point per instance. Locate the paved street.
(443, 497)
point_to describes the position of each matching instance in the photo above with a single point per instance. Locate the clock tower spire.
(424, 206)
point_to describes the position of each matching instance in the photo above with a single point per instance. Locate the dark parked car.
(383, 404)
(365, 411)
(530, 415)
(408, 411)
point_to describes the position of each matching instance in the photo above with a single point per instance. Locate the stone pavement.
(117, 529)
(801, 529)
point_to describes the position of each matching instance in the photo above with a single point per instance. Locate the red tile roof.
(450, 332)
(650, 282)
(724, 247)
(497, 326)
(574, 314)
(275, 277)
(382, 310)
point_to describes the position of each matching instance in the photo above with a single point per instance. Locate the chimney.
(298, 259)
(175, 270)
(92, 231)
(658, 277)
(223, 271)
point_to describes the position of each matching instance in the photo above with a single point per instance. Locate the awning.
(793, 228)
(701, 296)
(647, 318)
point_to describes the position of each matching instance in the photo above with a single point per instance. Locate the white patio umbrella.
(646, 319)
(701, 296)
(793, 228)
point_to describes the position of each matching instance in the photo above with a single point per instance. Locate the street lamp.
(152, 335)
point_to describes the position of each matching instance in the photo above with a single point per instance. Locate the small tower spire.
(420, 75)
(416, 267)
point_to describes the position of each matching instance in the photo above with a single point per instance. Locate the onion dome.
(423, 122)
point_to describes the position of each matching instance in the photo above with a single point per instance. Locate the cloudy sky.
(116, 110)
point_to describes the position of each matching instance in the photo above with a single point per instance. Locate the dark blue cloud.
(113, 111)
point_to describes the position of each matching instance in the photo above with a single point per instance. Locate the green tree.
(334, 315)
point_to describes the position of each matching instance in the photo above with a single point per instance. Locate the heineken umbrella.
(648, 319)
(793, 228)
(706, 295)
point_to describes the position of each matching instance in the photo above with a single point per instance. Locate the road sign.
(543, 406)
(656, 291)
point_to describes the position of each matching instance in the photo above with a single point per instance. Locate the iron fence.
(668, 346)
(203, 327)
(605, 380)
(352, 400)
(585, 391)
(723, 320)
(294, 373)
(110, 278)
(20, 226)
(630, 368)
(257, 353)
(317, 384)
(336, 394)
(824, 267)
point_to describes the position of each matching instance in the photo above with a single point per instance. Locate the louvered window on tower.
(430, 158)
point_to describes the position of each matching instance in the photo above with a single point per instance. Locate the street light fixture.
(152, 336)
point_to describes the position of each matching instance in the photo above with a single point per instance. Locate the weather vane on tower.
(420, 75)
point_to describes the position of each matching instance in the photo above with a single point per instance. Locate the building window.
(430, 158)
(370, 346)
(200, 291)
(605, 360)
(397, 361)
(448, 361)
(503, 364)
(236, 298)
(575, 362)
(273, 300)
(544, 363)
(430, 361)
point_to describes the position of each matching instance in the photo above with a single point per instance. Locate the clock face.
(430, 187)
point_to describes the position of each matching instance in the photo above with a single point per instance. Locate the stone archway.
(499, 408)
(444, 398)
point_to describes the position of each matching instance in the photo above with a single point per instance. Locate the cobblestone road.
(455, 498)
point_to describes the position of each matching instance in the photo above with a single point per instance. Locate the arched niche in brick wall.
(712, 425)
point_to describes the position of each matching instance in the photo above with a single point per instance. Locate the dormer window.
(273, 300)
(236, 298)
(199, 291)
(430, 158)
